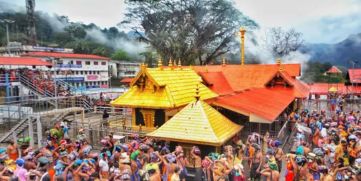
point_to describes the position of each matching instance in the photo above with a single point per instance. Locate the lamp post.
(7, 22)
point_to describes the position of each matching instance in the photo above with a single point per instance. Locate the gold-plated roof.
(163, 88)
(197, 123)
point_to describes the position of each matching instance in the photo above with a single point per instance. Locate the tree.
(190, 30)
(120, 55)
(283, 42)
(76, 31)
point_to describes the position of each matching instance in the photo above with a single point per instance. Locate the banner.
(92, 77)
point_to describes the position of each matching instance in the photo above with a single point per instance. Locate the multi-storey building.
(80, 70)
(124, 69)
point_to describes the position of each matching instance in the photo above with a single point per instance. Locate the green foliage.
(75, 31)
(315, 72)
(193, 30)
(120, 55)
(89, 47)
(58, 30)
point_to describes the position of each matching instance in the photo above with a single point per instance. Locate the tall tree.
(192, 30)
(282, 42)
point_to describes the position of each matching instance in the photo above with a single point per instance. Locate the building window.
(96, 63)
(78, 62)
(71, 62)
(104, 63)
(85, 72)
(87, 63)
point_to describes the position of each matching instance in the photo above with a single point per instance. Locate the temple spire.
(197, 96)
(223, 61)
(170, 63)
(279, 63)
(179, 63)
(160, 63)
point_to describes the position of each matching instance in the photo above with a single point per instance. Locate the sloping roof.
(267, 103)
(216, 82)
(324, 88)
(23, 61)
(334, 70)
(126, 80)
(174, 87)
(241, 77)
(197, 123)
(300, 89)
(354, 75)
(64, 55)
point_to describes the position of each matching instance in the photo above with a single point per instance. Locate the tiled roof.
(334, 70)
(174, 88)
(324, 88)
(241, 77)
(64, 55)
(216, 82)
(267, 103)
(126, 80)
(354, 75)
(197, 123)
(23, 61)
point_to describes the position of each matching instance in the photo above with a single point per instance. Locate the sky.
(320, 21)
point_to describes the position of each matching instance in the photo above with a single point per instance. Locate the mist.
(132, 47)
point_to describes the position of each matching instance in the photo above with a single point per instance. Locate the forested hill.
(346, 53)
(58, 31)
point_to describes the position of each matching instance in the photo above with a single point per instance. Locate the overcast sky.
(320, 21)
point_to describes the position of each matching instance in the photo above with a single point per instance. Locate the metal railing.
(27, 82)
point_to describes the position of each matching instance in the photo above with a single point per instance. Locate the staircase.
(25, 81)
(18, 129)
(85, 104)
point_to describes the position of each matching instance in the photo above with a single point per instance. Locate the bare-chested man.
(12, 150)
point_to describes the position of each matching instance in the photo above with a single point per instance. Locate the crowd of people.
(44, 82)
(326, 147)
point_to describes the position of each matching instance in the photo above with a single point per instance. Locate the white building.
(16, 49)
(80, 70)
(123, 69)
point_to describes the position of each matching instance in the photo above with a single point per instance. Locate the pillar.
(7, 83)
(39, 131)
(31, 131)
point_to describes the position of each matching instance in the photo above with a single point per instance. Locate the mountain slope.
(342, 53)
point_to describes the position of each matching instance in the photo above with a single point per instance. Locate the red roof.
(23, 61)
(334, 70)
(216, 82)
(241, 77)
(64, 55)
(354, 75)
(323, 88)
(126, 80)
(267, 103)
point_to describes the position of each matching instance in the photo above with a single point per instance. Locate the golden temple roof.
(163, 88)
(197, 123)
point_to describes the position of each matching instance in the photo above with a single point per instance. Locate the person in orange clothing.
(12, 150)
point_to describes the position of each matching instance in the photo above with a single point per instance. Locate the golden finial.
(279, 63)
(242, 32)
(223, 61)
(170, 63)
(179, 63)
(206, 68)
(197, 96)
(160, 63)
(175, 63)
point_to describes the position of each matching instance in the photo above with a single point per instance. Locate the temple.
(198, 123)
(157, 94)
(253, 96)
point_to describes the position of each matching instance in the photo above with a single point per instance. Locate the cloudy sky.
(320, 21)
